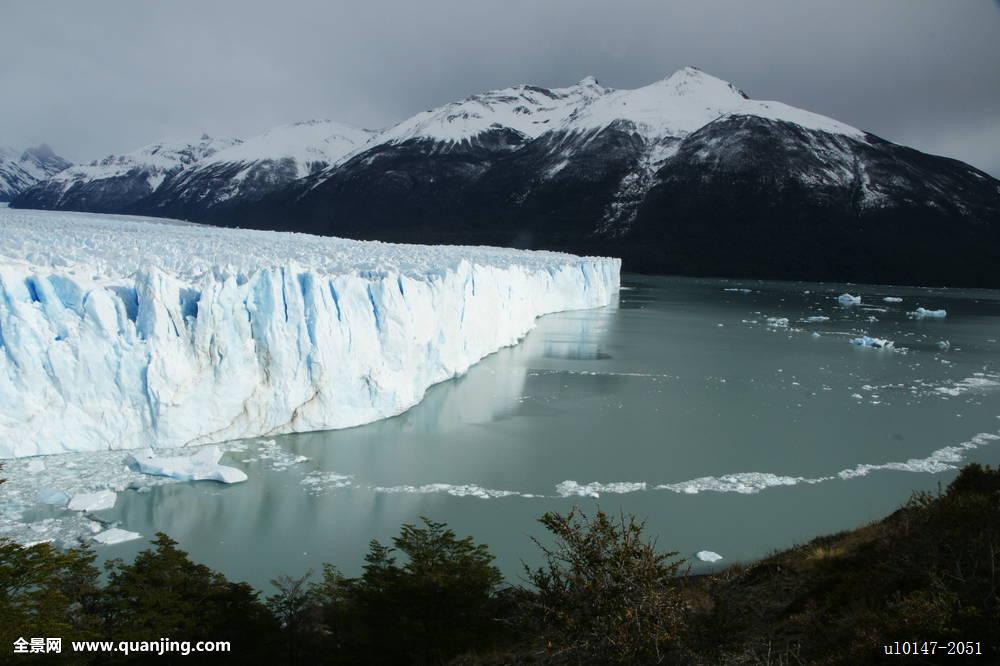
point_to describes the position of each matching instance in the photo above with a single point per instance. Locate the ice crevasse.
(120, 333)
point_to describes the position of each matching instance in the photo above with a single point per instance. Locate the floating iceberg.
(815, 319)
(892, 299)
(121, 333)
(202, 466)
(96, 501)
(920, 313)
(847, 299)
(708, 556)
(115, 535)
(874, 343)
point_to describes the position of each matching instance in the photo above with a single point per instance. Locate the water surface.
(680, 379)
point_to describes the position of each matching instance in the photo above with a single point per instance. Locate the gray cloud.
(97, 77)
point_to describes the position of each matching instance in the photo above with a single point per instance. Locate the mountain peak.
(691, 79)
(42, 151)
(588, 82)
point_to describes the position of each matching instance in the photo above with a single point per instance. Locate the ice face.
(119, 333)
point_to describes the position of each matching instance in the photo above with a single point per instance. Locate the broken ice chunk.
(847, 299)
(96, 501)
(708, 556)
(115, 535)
(202, 466)
(874, 343)
(52, 496)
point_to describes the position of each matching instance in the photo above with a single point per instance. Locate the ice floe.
(978, 382)
(461, 490)
(53, 497)
(873, 343)
(572, 488)
(921, 313)
(115, 535)
(95, 501)
(941, 460)
(745, 483)
(318, 482)
(848, 299)
(202, 466)
(708, 556)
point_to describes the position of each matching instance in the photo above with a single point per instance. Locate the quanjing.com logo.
(159, 647)
(38, 646)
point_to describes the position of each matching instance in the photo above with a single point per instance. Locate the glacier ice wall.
(119, 333)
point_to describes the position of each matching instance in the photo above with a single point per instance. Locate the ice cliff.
(120, 333)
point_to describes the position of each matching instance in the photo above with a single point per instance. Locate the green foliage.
(164, 593)
(426, 610)
(46, 592)
(297, 608)
(605, 593)
(975, 479)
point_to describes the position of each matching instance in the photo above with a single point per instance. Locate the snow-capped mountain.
(19, 170)
(516, 114)
(254, 168)
(685, 175)
(117, 182)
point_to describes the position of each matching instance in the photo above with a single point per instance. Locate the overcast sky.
(93, 78)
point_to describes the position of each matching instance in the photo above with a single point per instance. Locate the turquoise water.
(677, 381)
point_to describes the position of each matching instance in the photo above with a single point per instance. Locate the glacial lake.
(756, 424)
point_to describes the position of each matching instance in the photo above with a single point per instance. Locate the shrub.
(431, 608)
(605, 594)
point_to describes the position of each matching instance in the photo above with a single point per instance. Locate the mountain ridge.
(19, 170)
(684, 175)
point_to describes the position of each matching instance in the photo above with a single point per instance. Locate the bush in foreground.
(605, 593)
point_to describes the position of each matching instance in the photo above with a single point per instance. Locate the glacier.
(121, 332)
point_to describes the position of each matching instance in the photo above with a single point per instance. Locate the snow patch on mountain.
(311, 145)
(19, 170)
(528, 110)
(116, 333)
(672, 107)
(153, 162)
(686, 101)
